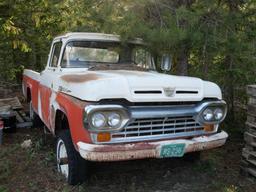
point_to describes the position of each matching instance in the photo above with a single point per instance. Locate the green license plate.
(172, 150)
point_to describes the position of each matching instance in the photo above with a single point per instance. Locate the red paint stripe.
(74, 110)
(45, 95)
(33, 86)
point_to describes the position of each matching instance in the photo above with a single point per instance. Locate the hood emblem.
(168, 91)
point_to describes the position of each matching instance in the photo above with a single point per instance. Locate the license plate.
(172, 150)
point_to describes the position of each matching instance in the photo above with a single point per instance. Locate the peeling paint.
(79, 78)
(142, 150)
(74, 110)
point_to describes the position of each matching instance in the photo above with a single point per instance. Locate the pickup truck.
(104, 100)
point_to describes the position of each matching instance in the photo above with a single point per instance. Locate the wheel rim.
(62, 156)
(31, 112)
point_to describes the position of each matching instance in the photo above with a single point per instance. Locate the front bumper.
(141, 150)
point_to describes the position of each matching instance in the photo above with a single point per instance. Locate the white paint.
(39, 105)
(93, 37)
(122, 84)
(118, 84)
(53, 104)
(32, 74)
(62, 154)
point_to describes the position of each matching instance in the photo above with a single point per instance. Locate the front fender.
(74, 110)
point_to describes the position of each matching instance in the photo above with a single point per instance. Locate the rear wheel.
(69, 162)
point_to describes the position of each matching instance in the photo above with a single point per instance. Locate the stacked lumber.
(12, 114)
(249, 151)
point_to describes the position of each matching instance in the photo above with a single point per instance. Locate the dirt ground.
(33, 169)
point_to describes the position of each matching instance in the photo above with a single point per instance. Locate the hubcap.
(62, 162)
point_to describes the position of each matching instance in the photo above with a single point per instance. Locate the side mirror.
(166, 63)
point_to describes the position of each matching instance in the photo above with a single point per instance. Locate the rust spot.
(120, 155)
(127, 147)
(205, 145)
(80, 78)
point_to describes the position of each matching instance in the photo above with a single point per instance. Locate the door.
(47, 79)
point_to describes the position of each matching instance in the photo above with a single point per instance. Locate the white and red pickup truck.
(104, 101)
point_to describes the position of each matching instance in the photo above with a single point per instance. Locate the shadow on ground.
(33, 169)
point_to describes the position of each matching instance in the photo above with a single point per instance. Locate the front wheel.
(69, 162)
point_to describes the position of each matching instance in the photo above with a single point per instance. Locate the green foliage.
(214, 40)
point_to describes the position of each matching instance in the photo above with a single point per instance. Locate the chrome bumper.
(141, 150)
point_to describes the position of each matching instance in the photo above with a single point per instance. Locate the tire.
(69, 162)
(33, 116)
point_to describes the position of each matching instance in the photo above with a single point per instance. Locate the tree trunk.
(229, 87)
(182, 63)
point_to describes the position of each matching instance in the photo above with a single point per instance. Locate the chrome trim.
(151, 129)
(194, 111)
(219, 104)
(91, 109)
(138, 112)
(149, 138)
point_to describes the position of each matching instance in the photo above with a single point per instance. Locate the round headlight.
(208, 114)
(98, 120)
(218, 114)
(114, 119)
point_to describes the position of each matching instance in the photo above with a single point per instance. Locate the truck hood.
(135, 86)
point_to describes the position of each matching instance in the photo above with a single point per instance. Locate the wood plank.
(14, 102)
(252, 171)
(251, 109)
(24, 125)
(248, 164)
(251, 119)
(250, 147)
(252, 100)
(5, 109)
(250, 139)
(19, 118)
(248, 168)
(249, 155)
(251, 90)
(251, 128)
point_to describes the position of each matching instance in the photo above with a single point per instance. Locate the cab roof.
(94, 37)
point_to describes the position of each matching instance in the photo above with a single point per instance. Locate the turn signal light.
(208, 128)
(103, 137)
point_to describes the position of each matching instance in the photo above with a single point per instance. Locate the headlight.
(105, 118)
(114, 119)
(218, 114)
(212, 112)
(208, 114)
(98, 120)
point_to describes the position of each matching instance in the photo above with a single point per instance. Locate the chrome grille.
(158, 128)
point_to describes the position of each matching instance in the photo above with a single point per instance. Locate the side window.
(142, 58)
(139, 56)
(55, 54)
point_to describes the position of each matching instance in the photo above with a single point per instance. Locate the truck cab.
(104, 100)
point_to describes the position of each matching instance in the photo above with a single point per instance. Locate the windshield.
(88, 54)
